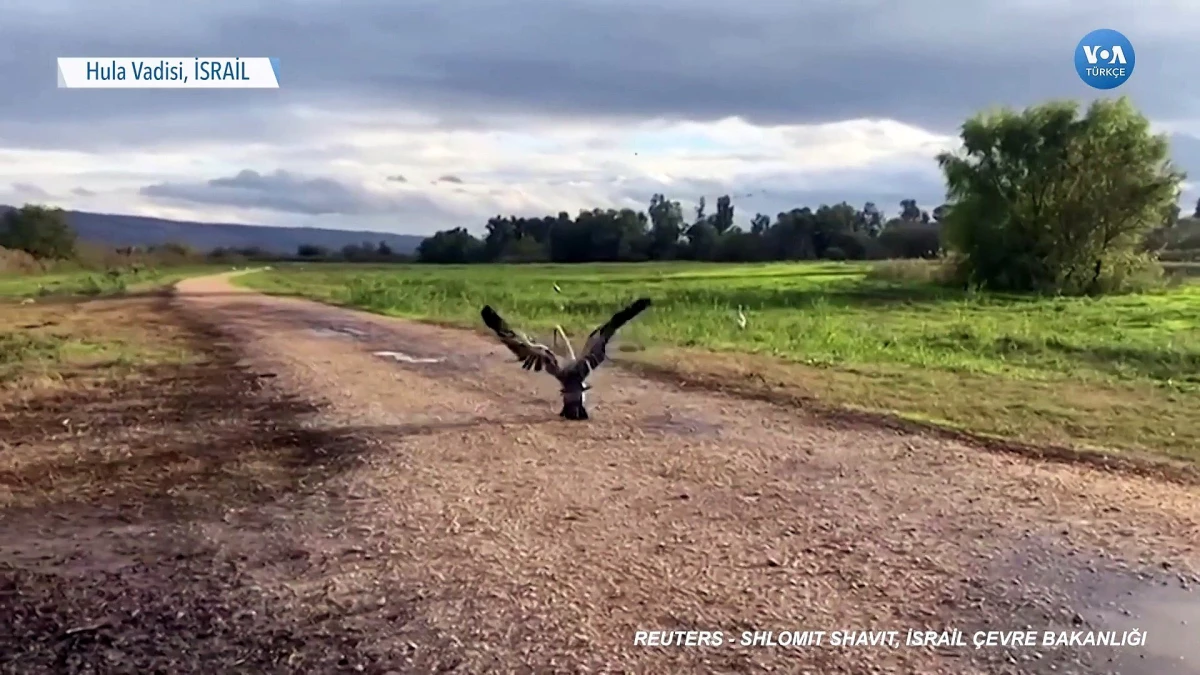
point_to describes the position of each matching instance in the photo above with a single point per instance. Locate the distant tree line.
(1045, 199)
(366, 252)
(663, 232)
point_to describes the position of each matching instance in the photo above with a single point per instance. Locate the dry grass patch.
(1053, 420)
(120, 396)
(149, 489)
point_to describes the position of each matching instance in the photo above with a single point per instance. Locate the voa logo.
(1104, 59)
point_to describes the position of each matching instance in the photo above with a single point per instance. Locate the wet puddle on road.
(672, 422)
(407, 358)
(356, 334)
(337, 332)
(1105, 596)
(1169, 617)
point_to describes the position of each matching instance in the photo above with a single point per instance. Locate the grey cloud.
(397, 179)
(769, 194)
(83, 192)
(29, 190)
(289, 193)
(449, 179)
(773, 194)
(1185, 151)
(925, 62)
(928, 62)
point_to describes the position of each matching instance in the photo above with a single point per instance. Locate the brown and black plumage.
(571, 373)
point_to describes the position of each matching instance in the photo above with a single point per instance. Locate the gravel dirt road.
(448, 521)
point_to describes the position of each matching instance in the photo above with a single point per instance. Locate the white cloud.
(523, 166)
(548, 105)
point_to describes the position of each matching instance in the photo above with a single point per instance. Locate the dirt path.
(525, 540)
(479, 533)
(139, 508)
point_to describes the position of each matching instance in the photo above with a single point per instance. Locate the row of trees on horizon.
(830, 232)
(665, 232)
(1044, 199)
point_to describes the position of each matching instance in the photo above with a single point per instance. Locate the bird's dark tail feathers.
(573, 411)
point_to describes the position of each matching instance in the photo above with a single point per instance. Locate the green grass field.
(1119, 372)
(58, 333)
(83, 282)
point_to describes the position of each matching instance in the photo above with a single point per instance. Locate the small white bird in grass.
(741, 318)
(557, 289)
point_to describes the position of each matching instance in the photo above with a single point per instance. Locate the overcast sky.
(416, 115)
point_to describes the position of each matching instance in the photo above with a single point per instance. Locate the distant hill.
(117, 230)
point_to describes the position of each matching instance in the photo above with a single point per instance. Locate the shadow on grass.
(856, 295)
(1120, 360)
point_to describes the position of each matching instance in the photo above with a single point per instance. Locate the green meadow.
(52, 334)
(1116, 372)
(96, 283)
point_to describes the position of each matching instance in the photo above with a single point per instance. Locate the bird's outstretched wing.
(594, 352)
(533, 356)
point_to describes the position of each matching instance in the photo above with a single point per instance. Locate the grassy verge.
(123, 404)
(74, 345)
(70, 370)
(88, 283)
(1119, 372)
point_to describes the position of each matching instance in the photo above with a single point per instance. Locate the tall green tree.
(1048, 200)
(457, 246)
(909, 210)
(759, 224)
(870, 220)
(39, 231)
(666, 226)
(1173, 215)
(722, 220)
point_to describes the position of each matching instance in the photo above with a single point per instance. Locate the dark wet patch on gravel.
(1051, 586)
(679, 423)
(184, 611)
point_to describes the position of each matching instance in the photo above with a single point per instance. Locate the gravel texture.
(444, 519)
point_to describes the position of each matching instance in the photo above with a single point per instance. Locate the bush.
(850, 246)
(1130, 273)
(19, 262)
(909, 271)
(39, 231)
(1180, 255)
(1048, 201)
(911, 240)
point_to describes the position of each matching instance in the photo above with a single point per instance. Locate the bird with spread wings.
(573, 372)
